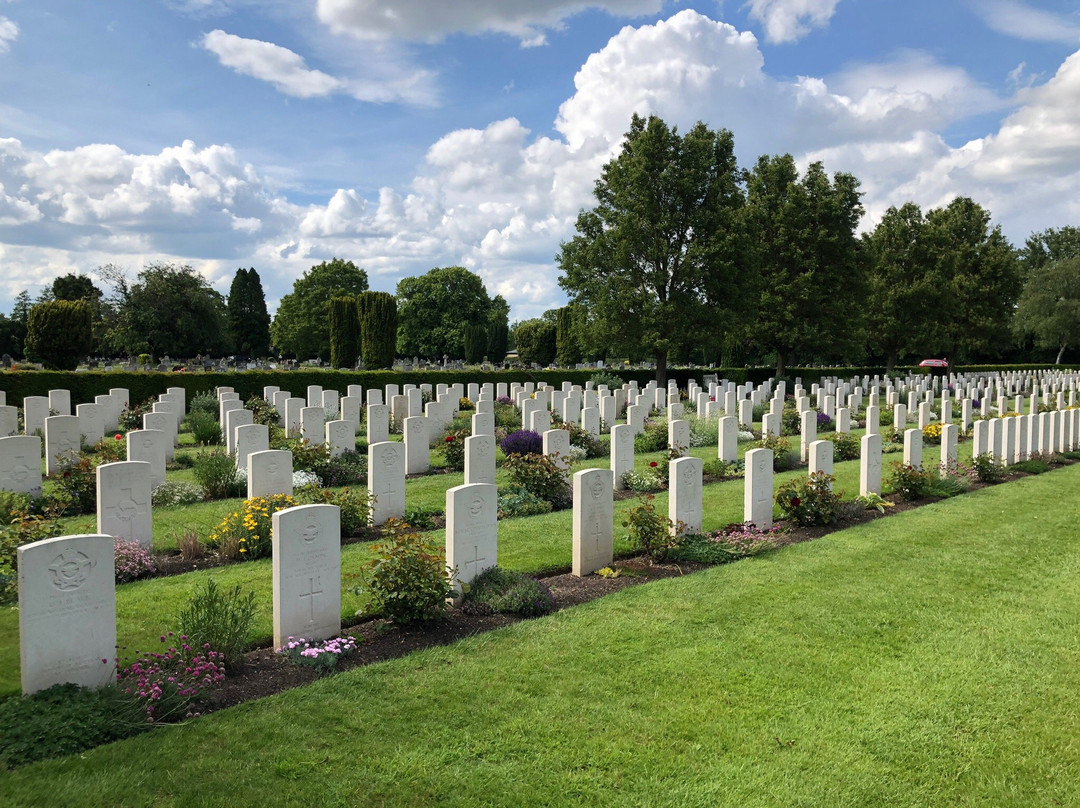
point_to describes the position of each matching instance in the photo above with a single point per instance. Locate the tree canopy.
(1049, 306)
(301, 327)
(248, 320)
(662, 258)
(435, 308)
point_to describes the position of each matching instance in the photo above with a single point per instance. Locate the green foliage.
(653, 439)
(354, 504)
(344, 332)
(740, 540)
(65, 720)
(535, 340)
(910, 483)
(220, 618)
(476, 342)
(612, 381)
(1049, 306)
(247, 534)
(811, 501)
(204, 401)
(407, 579)
(58, 333)
(170, 310)
(541, 475)
(517, 501)
(498, 338)
(784, 457)
(989, 469)
(651, 532)
(813, 284)
(204, 428)
(845, 446)
(1031, 466)
(435, 308)
(501, 591)
(453, 448)
(216, 472)
(24, 527)
(301, 327)
(660, 261)
(1050, 245)
(567, 340)
(175, 492)
(246, 314)
(262, 411)
(378, 313)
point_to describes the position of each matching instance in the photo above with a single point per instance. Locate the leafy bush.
(612, 381)
(911, 483)
(174, 492)
(518, 501)
(522, 442)
(739, 540)
(650, 479)
(323, 655)
(651, 532)
(465, 404)
(245, 534)
(76, 486)
(65, 720)
(542, 476)
(218, 618)
(704, 431)
(354, 503)
(845, 446)
(824, 422)
(811, 501)
(306, 456)
(653, 439)
(204, 428)
(59, 333)
(205, 402)
(132, 561)
(931, 433)
(1031, 466)
(722, 469)
(784, 457)
(407, 580)
(989, 469)
(22, 529)
(348, 468)
(501, 591)
(130, 418)
(216, 472)
(12, 504)
(453, 448)
(581, 439)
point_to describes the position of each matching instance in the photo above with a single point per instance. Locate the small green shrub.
(497, 590)
(407, 580)
(347, 468)
(651, 532)
(811, 501)
(989, 469)
(12, 504)
(612, 381)
(784, 457)
(76, 486)
(845, 446)
(354, 504)
(722, 469)
(542, 476)
(174, 492)
(216, 472)
(1031, 466)
(206, 402)
(739, 540)
(910, 483)
(453, 448)
(263, 412)
(219, 618)
(204, 428)
(581, 439)
(22, 529)
(518, 501)
(653, 439)
(65, 720)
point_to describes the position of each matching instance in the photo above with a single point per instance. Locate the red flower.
(653, 464)
(449, 438)
(119, 436)
(795, 502)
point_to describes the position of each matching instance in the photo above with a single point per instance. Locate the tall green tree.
(301, 327)
(813, 283)
(435, 308)
(59, 333)
(246, 314)
(169, 310)
(977, 280)
(20, 311)
(378, 314)
(902, 285)
(1052, 244)
(497, 340)
(567, 335)
(536, 341)
(1049, 306)
(80, 287)
(662, 258)
(476, 339)
(344, 332)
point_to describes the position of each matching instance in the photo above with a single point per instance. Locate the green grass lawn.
(929, 659)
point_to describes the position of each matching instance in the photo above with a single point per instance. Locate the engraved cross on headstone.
(310, 595)
(475, 562)
(597, 535)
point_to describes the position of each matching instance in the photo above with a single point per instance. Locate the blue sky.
(413, 134)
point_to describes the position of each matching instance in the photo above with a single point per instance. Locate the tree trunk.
(780, 366)
(890, 363)
(1060, 352)
(661, 368)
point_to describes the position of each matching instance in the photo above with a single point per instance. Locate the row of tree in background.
(685, 257)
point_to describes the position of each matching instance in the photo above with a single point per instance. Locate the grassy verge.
(928, 659)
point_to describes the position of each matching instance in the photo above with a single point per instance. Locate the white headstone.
(269, 473)
(91, 423)
(684, 497)
(593, 521)
(35, 411)
(20, 464)
(821, 457)
(351, 408)
(635, 417)
(483, 423)
(557, 442)
(306, 572)
(67, 612)
(386, 480)
(340, 437)
(250, 438)
(948, 445)
(679, 435)
(870, 465)
(622, 452)
(479, 459)
(149, 446)
(417, 445)
(9, 421)
(60, 402)
(233, 420)
(758, 488)
(472, 543)
(293, 406)
(63, 440)
(913, 447)
(312, 424)
(123, 501)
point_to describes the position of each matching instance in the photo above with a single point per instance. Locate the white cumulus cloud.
(1023, 21)
(266, 61)
(9, 32)
(790, 20)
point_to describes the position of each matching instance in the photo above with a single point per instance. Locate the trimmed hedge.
(18, 384)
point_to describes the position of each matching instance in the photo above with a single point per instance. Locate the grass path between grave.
(146, 610)
(929, 659)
